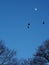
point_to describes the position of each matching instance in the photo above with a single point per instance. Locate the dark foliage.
(7, 55)
(42, 55)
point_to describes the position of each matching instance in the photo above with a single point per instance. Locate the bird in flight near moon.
(28, 25)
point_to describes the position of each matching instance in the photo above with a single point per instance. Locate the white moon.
(35, 9)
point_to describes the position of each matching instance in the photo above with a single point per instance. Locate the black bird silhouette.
(28, 25)
(43, 22)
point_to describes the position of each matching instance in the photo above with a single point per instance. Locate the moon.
(35, 9)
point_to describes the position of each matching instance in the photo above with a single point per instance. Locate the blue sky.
(14, 17)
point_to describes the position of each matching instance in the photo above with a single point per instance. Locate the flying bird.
(43, 22)
(28, 25)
